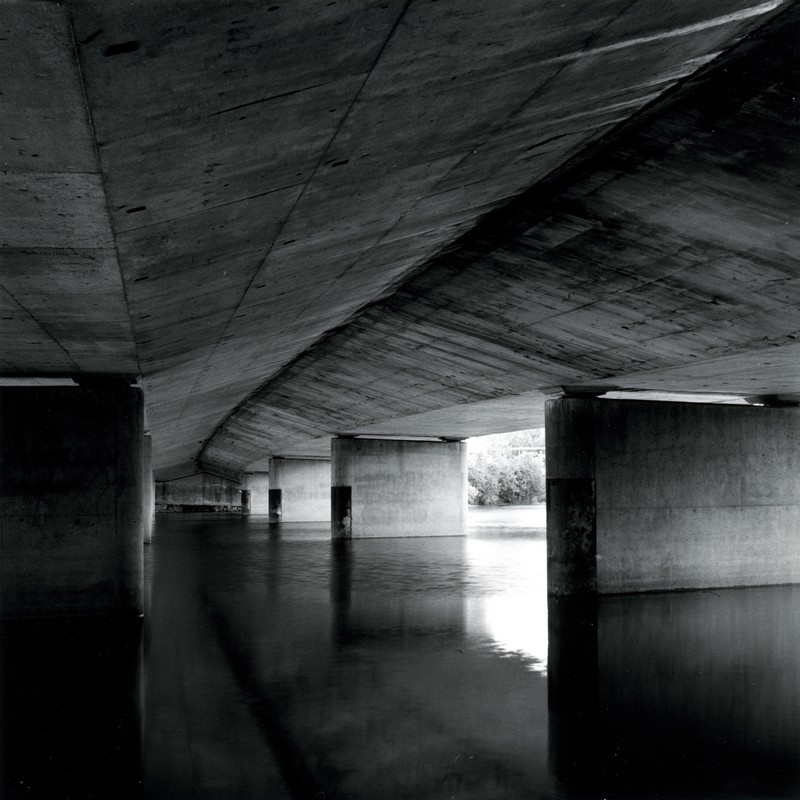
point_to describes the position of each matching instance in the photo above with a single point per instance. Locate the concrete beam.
(646, 496)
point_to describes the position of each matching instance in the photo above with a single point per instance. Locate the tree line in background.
(506, 469)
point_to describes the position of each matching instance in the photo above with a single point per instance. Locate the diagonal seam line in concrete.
(90, 120)
(263, 261)
(39, 324)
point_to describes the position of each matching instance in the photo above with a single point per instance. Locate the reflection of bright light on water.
(515, 624)
(508, 612)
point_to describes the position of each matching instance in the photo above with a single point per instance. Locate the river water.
(278, 664)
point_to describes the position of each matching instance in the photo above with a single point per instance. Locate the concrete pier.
(385, 488)
(648, 496)
(200, 492)
(257, 483)
(71, 504)
(300, 489)
(148, 490)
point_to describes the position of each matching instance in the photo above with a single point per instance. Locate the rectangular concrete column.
(148, 490)
(571, 501)
(649, 496)
(257, 483)
(71, 500)
(198, 492)
(383, 488)
(300, 489)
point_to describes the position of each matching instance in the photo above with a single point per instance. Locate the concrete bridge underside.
(289, 221)
(414, 219)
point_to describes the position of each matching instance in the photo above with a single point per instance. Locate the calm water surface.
(277, 664)
(284, 665)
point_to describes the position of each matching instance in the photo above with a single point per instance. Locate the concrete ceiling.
(293, 219)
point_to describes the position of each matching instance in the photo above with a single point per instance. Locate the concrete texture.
(62, 300)
(398, 488)
(201, 491)
(661, 259)
(300, 490)
(71, 501)
(148, 490)
(685, 496)
(257, 483)
(287, 248)
(571, 498)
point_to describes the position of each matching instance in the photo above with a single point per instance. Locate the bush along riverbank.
(507, 468)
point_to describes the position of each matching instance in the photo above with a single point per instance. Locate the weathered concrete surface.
(571, 498)
(685, 495)
(399, 488)
(62, 301)
(148, 490)
(664, 260)
(202, 491)
(257, 483)
(257, 201)
(71, 501)
(300, 489)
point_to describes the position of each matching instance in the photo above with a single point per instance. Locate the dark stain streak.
(136, 209)
(119, 49)
(266, 99)
(547, 141)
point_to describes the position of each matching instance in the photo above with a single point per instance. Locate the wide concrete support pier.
(648, 496)
(300, 489)
(257, 483)
(200, 492)
(148, 490)
(71, 501)
(386, 488)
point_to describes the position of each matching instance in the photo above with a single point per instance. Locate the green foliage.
(506, 469)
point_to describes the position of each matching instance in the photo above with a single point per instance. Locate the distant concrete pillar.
(245, 501)
(383, 488)
(149, 490)
(300, 489)
(257, 483)
(199, 492)
(71, 500)
(650, 496)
